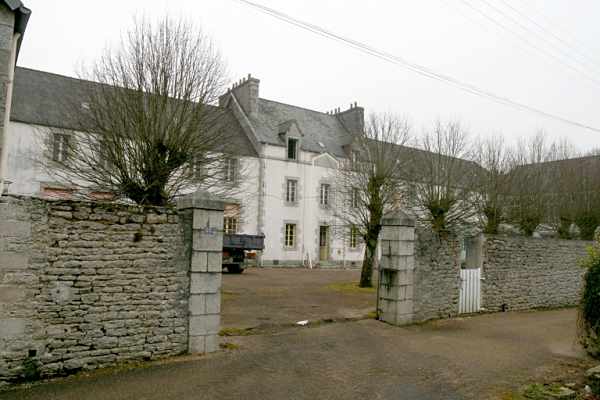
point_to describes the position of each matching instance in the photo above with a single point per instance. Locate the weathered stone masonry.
(84, 285)
(525, 273)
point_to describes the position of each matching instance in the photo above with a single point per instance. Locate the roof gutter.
(22, 15)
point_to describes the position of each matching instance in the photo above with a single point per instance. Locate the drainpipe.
(7, 107)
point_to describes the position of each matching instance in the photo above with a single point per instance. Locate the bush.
(589, 310)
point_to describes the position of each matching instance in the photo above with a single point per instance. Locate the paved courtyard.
(276, 296)
(472, 358)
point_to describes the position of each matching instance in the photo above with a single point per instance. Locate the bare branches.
(441, 179)
(144, 127)
(369, 180)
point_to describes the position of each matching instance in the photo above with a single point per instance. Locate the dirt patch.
(281, 296)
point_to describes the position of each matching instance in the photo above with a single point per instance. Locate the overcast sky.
(303, 69)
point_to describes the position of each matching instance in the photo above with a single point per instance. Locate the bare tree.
(441, 186)
(369, 182)
(493, 183)
(530, 183)
(144, 124)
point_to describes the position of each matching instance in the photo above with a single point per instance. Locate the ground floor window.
(290, 235)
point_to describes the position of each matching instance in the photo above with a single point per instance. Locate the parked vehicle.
(235, 248)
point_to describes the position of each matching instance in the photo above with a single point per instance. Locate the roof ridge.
(292, 105)
(55, 74)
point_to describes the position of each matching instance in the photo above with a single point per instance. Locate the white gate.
(470, 291)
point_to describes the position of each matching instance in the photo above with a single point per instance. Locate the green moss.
(350, 288)
(229, 346)
(235, 332)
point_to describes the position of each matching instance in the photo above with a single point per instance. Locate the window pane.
(292, 148)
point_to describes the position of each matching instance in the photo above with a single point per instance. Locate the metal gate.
(470, 291)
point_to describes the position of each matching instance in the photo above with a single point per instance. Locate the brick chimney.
(353, 118)
(246, 93)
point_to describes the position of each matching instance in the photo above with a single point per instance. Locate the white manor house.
(290, 155)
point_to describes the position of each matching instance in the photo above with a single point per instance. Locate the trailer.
(235, 248)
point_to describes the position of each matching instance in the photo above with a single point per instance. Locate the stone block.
(18, 229)
(213, 303)
(405, 307)
(398, 263)
(209, 282)
(197, 304)
(199, 261)
(205, 219)
(10, 294)
(215, 261)
(397, 233)
(204, 325)
(397, 248)
(207, 240)
(12, 328)
(203, 344)
(10, 260)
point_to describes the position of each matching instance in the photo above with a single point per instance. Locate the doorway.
(323, 243)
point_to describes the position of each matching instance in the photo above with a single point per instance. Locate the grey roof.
(42, 98)
(316, 127)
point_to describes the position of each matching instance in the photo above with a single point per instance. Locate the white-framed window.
(231, 225)
(291, 191)
(353, 236)
(290, 235)
(354, 197)
(325, 190)
(292, 149)
(231, 170)
(60, 147)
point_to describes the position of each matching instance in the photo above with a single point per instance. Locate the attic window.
(292, 149)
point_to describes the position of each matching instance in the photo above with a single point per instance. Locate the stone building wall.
(523, 273)
(437, 282)
(85, 285)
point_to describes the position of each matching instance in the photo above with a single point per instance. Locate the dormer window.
(292, 149)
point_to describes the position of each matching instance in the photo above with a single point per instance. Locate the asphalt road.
(468, 358)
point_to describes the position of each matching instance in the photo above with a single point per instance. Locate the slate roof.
(316, 127)
(41, 98)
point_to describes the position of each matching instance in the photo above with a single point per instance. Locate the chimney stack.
(246, 93)
(353, 118)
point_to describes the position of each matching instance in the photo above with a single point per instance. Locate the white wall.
(308, 214)
(25, 147)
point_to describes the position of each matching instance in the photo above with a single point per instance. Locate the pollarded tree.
(145, 126)
(442, 179)
(370, 180)
(493, 183)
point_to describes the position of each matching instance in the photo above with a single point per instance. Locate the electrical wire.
(419, 69)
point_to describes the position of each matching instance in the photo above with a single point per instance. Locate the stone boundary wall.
(437, 276)
(522, 273)
(84, 285)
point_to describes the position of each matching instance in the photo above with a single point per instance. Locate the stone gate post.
(205, 270)
(397, 265)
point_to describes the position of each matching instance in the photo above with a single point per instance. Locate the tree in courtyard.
(369, 182)
(145, 124)
(493, 183)
(530, 184)
(441, 179)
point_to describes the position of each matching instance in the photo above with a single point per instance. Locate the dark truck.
(235, 248)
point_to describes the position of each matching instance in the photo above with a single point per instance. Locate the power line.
(573, 40)
(419, 69)
(529, 42)
(590, 60)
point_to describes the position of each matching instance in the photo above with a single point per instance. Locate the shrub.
(589, 310)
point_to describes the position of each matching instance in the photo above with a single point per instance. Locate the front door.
(323, 243)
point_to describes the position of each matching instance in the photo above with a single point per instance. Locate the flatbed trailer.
(235, 248)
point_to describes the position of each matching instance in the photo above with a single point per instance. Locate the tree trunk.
(366, 275)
